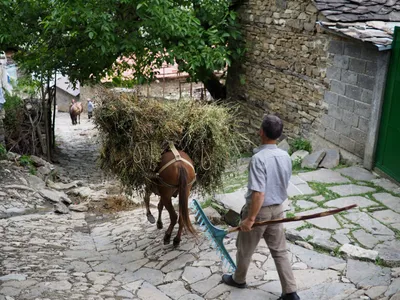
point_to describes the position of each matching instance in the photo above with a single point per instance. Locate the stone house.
(65, 92)
(323, 67)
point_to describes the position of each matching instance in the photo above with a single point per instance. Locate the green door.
(388, 148)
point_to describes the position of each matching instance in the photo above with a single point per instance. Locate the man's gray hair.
(272, 126)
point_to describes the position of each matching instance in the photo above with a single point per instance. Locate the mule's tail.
(183, 199)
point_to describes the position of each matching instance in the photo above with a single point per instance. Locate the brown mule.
(75, 111)
(176, 176)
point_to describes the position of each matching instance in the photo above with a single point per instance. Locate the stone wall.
(321, 85)
(352, 76)
(285, 67)
(170, 89)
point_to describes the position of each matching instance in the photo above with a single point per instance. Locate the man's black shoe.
(290, 296)
(227, 279)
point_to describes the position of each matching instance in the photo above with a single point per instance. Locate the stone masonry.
(351, 73)
(285, 65)
(324, 87)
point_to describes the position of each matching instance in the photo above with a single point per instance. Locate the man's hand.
(246, 225)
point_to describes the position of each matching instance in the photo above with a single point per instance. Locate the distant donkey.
(75, 111)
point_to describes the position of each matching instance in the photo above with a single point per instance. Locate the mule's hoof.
(167, 239)
(176, 242)
(151, 219)
(159, 225)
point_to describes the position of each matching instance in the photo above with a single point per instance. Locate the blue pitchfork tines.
(214, 235)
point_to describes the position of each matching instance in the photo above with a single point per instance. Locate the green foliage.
(26, 161)
(3, 152)
(305, 226)
(296, 165)
(308, 238)
(322, 189)
(380, 262)
(336, 251)
(13, 112)
(84, 39)
(26, 87)
(206, 203)
(233, 181)
(300, 144)
(290, 214)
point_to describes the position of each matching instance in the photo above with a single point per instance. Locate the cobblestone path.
(78, 148)
(80, 255)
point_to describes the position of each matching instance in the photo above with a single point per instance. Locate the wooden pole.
(54, 111)
(163, 87)
(191, 90)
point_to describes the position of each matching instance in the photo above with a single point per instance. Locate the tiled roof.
(377, 32)
(64, 84)
(360, 10)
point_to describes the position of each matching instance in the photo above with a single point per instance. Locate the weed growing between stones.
(380, 262)
(336, 251)
(231, 182)
(296, 165)
(305, 226)
(308, 238)
(341, 165)
(396, 232)
(321, 189)
(290, 214)
(300, 144)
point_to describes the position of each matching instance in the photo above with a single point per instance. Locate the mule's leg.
(172, 216)
(159, 221)
(149, 216)
(177, 239)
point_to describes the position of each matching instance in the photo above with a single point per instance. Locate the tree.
(83, 39)
(22, 28)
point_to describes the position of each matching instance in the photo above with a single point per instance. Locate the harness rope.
(177, 157)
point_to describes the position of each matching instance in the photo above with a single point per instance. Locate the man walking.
(90, 108)
(2, 99)
(269, 173)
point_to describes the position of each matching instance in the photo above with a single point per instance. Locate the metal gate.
(388, 148)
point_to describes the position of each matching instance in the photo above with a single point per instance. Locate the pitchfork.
(216, 235)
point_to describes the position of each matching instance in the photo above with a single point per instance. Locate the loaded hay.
(135, 132)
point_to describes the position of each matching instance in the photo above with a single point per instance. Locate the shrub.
(300, 144)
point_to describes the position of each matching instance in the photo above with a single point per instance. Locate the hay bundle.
(135, 133)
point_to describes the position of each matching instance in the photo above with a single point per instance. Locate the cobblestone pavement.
(81, 255)
(78, 149)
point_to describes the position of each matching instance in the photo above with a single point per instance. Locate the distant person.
(2, 99)
(72, 103)
(90, 108)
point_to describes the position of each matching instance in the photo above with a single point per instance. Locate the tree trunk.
(215, 87)
(47, 116)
